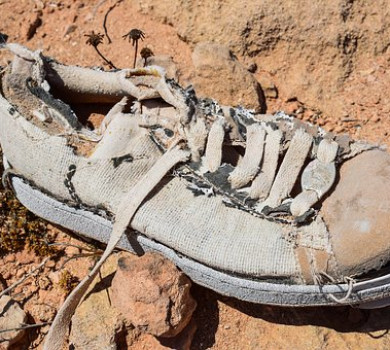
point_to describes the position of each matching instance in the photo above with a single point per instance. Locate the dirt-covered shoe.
(263, 208)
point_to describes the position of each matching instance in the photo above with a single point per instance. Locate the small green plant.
(95, 39)
(67, 281)
(19, 228)
(135, 35)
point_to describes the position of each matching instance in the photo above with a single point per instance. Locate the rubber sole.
(371, 293)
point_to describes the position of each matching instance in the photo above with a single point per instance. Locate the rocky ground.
(326, 62)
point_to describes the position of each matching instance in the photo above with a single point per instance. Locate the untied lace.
(127, 208)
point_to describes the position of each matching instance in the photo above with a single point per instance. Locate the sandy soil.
(58, 28)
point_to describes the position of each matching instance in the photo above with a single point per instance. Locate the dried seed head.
(94, 39)
(135, 35)
(146, 53)
(67, 281)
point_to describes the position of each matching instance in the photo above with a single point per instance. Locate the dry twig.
(105, 20)
(26, 326)
(20, 281)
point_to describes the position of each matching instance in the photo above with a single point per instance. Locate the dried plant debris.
(95, 39)
(134, 36)
(67, 281)
(19, 228)
(145, 54)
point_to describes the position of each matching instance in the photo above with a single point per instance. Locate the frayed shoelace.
(131, 201)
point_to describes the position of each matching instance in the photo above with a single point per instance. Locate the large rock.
(145, 297)
(11, 317)
(152, 294)
(95, 321)
(218, 74)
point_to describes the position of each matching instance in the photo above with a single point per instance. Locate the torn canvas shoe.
(264, 208)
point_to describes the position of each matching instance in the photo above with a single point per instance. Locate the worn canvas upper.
(230, 229)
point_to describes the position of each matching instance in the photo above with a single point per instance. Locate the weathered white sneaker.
(263, 208)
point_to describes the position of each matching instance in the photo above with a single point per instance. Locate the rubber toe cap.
(357, 213)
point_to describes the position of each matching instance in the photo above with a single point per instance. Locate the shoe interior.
(89, 104)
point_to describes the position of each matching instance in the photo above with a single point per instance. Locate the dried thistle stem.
(95, 39)
(135, 55)
(135, 35)
(105, 59)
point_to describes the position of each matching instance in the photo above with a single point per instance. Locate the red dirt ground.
(58, 28)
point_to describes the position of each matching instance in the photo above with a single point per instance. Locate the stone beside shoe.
(264, 208)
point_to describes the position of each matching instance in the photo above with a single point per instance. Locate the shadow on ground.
(343, 319)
